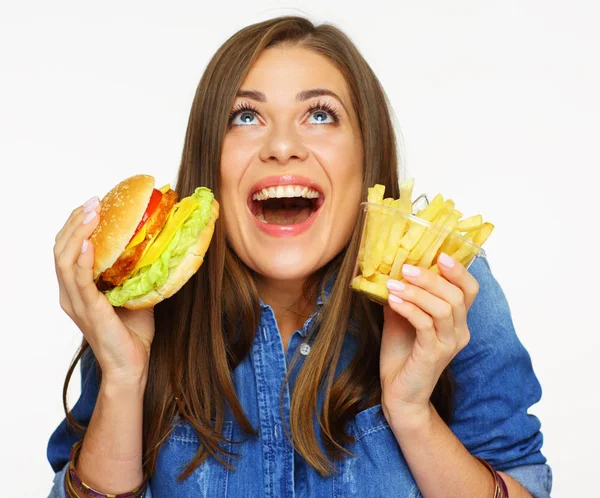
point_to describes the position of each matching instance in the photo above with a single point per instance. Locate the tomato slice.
(155, 199)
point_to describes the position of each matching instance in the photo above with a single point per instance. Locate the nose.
(283, 145)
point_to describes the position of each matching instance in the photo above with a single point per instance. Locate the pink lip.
(285, 230)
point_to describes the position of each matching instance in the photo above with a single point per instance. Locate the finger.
(84, 276)
(65, 232)
(397, 341)
(87, 206)
(421, 321)
(457, 274)
(68, 257)
(73, 245)
(74, 221)
(439, 310)
(63, 298)
(440, 287)
(398, 334)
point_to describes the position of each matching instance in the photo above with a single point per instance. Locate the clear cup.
(381, 255)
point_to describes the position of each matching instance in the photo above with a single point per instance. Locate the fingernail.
(91, 204)
(411, 271)
(395, 285)
(90, 216)
(84, 246)
(395, 299)
(446, 260)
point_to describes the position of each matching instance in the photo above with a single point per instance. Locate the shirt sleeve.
(64, 437)
(537, 479)
(58, 490)
(495, 383)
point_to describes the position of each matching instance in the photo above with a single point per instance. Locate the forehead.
(287, 70)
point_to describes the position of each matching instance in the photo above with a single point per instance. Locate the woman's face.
(291, 165)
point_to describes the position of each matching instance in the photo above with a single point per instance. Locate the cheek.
(346, 206)
(234, 161)
(346, 177)
(235, 156)
(341, 156)
(335, 144)
(343, 165)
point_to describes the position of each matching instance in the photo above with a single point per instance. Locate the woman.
(268, 345)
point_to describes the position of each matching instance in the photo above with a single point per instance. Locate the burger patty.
(122, 269)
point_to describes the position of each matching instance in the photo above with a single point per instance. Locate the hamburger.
(147, 243)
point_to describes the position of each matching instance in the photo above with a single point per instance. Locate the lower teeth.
(261, 217)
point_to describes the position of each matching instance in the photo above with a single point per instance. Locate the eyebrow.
(300, 97)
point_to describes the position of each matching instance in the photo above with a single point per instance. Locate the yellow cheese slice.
(139, 237)
(181, 211)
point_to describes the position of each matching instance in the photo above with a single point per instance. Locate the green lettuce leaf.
(153, 276)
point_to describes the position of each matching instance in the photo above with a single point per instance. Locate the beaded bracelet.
(73, 481)
(500, 491)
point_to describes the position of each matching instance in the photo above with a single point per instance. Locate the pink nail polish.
(395, 299)
(84, 246)
(446, 260)
(90, 216)
(395, 285)
(91, 204)
(411, 271)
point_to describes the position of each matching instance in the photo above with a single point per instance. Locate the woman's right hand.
(120, 338)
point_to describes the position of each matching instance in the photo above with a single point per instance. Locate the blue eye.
(243, 115)
(323, 113)
(244, 119)
(321, 117)
(320, 113)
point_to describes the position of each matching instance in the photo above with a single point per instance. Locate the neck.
(287, 300)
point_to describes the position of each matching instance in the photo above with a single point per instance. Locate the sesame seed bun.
(120, 213)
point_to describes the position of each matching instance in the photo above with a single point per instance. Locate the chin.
(291, 263)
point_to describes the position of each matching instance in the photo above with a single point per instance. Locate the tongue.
(286, 212)
(283, 216)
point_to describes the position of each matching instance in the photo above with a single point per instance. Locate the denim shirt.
(496, 386)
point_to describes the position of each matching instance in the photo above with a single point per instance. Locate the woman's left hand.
(421, 336)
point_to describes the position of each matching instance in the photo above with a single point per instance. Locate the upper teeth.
(285, 191)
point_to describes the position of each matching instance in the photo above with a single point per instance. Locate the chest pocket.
(207, 481)
(378, 468)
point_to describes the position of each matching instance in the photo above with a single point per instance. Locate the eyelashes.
(319, 106)
(238, 109)
(325, 107)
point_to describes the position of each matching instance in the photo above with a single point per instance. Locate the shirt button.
(304, 349)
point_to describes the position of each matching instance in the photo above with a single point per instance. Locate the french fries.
(398, 225)
(468, 224)
(416, 230)
(430, 253)
(375, 197)
(376, 291)
(392, 238)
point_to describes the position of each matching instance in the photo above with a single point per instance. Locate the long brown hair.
(207, 328)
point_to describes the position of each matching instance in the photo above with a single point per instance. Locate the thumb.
(397, 339)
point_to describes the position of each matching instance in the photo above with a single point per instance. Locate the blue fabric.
(496, 382)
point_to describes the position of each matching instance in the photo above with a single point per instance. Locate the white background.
(498, 105)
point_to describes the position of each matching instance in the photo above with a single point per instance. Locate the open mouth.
(285, 205)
